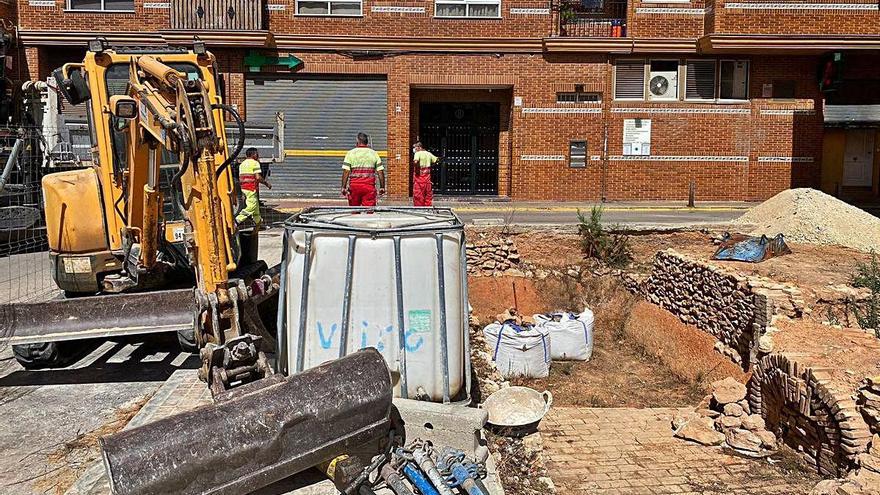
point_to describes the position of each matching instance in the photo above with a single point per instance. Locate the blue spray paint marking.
(326, 342)
(412, 347)
(380, 333)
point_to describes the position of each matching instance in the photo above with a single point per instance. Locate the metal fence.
(592, 18)
(25, 270)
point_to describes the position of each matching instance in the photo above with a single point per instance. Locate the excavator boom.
(168, 107)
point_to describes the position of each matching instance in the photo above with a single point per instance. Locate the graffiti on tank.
(371, 336)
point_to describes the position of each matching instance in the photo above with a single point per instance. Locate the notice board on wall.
(637, 137)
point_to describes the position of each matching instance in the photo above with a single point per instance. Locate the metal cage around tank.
(438, 223)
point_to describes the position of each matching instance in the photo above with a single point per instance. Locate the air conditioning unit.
(663, 80)
(663, 85)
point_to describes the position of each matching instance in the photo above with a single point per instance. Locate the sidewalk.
(501, 205)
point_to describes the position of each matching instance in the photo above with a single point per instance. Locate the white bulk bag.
(519, 351)
(572, 335)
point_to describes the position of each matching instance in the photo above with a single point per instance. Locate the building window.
(332, 7)
(468, 8)
(108, 5)
(629, 80)
(578, 97)
(663, 80)
(577, 154)
(734, 80)
(699, 82)
(783, 88)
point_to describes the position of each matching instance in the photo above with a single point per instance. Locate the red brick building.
(530, 99)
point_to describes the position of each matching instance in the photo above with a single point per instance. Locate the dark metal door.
(465, 136)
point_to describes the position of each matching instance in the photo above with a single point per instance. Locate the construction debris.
(727, 421)
(813, 217)
(493, 257)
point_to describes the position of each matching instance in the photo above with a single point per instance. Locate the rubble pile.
(493, 258)
(727, 420)
(520, 461)
(813, 217)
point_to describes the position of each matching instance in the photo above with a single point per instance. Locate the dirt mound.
(813, 217)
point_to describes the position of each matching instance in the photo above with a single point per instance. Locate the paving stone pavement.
(632, 451)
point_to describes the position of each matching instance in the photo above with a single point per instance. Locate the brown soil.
(621, 373)
(69, 460)
(490, 296)
(848, 354)
(687, 351)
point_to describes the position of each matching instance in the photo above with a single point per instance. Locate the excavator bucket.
(97, 316)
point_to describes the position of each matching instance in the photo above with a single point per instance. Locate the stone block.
(445, 425)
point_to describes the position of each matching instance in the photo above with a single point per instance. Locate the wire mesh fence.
(25, 268)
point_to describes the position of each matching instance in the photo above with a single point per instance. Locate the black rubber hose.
(240, 144)
(184, 164)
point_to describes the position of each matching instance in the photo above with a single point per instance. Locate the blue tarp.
(750, 249)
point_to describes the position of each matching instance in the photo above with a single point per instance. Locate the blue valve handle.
(415, 477)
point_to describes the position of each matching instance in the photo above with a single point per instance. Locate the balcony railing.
(226, 15)
(592, 18)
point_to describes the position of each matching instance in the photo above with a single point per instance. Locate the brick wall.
(806, 17)
(665, 20)
(780, 140)
(519, 19)
(412, 24)
(742, 151)
(55, 17)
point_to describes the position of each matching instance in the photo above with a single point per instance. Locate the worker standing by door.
(423, 193)
(250, 176)
(359, 170)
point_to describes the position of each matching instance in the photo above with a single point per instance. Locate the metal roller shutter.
(322, 119)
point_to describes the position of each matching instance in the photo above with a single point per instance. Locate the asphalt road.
(628, 218)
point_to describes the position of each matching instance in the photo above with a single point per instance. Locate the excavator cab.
(145, 239)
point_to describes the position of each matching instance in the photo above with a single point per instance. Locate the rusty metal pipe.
(254, 439)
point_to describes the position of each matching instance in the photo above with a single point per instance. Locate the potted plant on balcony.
(566, 15)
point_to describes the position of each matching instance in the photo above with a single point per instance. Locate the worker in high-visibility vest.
(423, 193)
(250, 176)
(360, 169)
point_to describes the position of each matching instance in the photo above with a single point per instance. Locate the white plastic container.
(374, 280)
(572, 335)
(519, 351)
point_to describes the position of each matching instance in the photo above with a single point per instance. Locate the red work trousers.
(423, 193)
(361, 193)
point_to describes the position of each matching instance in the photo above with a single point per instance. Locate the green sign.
(420, 321)
(255, 61)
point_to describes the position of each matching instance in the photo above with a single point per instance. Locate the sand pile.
(813, 217)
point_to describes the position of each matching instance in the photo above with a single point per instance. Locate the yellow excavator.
(135, 257)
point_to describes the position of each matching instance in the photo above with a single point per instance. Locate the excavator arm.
(167, 110)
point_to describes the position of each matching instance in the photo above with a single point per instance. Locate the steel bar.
(466, 320)
(281, 325)
(252, 440)
(304, 304)
(346, 297)
(401, 330)
(97, 316)
(444, 337)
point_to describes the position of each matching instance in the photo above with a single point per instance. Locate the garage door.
(322, 118)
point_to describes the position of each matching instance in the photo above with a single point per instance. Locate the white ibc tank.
(374, 280)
